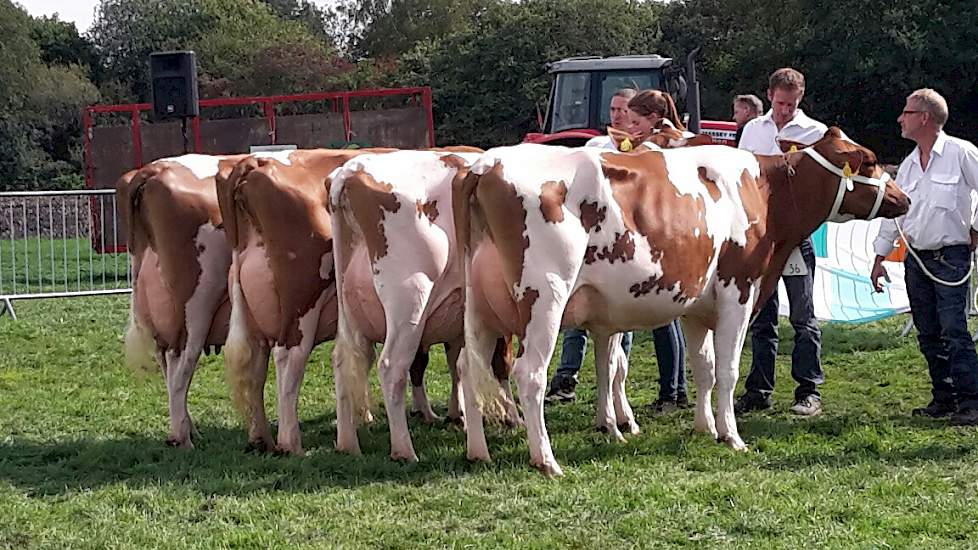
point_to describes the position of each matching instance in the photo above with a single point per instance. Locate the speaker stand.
(186, 138)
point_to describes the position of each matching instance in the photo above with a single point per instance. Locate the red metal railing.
(268, 110)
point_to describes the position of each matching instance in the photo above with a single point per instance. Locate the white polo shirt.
(942, 197)
(761, 134)
(604, 142)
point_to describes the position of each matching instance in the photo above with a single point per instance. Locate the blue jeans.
(670, 349)
(941, 318)
(806, 367)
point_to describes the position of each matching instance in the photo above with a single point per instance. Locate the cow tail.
(139, 345)
(352, 352)
(240, 347)
(478, 370)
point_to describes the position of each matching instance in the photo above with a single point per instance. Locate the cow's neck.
(795, 209)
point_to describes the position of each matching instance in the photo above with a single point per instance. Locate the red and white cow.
(400, 277)
(180, 262)
(613, 242)
(283, 293)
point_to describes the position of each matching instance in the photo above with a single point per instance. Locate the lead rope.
(931, 276)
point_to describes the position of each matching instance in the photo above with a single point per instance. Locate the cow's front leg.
(618, 362)
(454, 414)
(699, 344)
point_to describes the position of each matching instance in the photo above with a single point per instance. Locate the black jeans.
(806, 366)
(941, 318)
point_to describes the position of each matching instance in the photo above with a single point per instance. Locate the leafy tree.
(489, 81)
(382, 28)
(60, 43)
(39, 103)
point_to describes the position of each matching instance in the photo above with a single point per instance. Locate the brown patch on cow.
(525, 306)
(592, 216)
(622, 249)
(453, 161)
(590, 254)
(745, 265)
(552, 196)
(370, 202)
(711, 186)
(429, 209)
(673, 224)
(505, 216)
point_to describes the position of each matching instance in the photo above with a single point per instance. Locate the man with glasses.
(941, 177)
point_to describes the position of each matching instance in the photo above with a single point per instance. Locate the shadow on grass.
(220, 466)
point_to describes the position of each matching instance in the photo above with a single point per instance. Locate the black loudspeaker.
(174, 78)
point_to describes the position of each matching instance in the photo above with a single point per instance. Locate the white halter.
(846, 184)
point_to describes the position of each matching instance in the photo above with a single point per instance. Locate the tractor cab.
(582, 89)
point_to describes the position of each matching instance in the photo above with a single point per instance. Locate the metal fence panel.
(60, 243)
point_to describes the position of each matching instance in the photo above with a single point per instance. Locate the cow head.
(859, 188)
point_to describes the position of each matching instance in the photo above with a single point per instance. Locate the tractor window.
(611, 82)
(571, 101)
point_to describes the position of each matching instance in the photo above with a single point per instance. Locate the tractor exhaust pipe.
(693, 95)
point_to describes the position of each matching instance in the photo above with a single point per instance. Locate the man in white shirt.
(786, 121)
(940, 176)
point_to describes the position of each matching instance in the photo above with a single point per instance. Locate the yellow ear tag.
(625, 146)
(847, 171)
(794, 149)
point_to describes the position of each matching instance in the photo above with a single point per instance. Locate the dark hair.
(648, 102)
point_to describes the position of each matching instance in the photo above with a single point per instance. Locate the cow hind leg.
(290, 368)
(420, 406)
(395, 360)
(530, 370)
(259, 431)
(699, 343)
(478, 384)
(179, 371)
(729, 341)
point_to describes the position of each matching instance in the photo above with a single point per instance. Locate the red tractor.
(583, 86)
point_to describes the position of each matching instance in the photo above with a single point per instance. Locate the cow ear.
(854, 160)
(787, 145)
(833, 132)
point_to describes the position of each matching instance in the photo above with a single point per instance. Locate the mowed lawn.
(82, 463)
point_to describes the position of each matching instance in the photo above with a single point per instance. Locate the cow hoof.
(259, 446)
(734, 442)
(289, 451)
(629, 428)
(428, 417)
(456, 421)
(477, 457)
(549, 470)
(352, 450)
(404, 457)
(179, 443)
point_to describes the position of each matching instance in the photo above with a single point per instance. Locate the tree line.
(484, 59)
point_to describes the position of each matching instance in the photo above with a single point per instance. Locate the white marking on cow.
(203, 166)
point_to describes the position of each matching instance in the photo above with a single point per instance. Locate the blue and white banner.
(844, 257)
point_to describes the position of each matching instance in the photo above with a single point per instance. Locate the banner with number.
(843, 258)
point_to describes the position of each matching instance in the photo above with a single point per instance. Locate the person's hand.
(880, 271)
(974, 239)
(617, 136)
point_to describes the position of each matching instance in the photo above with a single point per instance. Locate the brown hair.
(786, 79)
(648, 102)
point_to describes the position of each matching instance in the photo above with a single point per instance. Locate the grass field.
(36, 265)
(82, 464)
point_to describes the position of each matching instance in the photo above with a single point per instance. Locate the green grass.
(35, 265)
(82, 464)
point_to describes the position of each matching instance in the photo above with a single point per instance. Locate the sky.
(79, 12)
